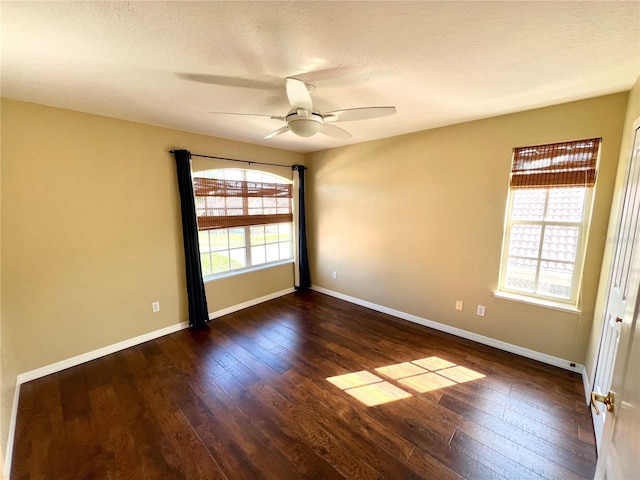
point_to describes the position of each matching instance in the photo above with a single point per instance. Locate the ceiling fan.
(304, 121)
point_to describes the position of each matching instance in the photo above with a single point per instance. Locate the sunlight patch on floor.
(433, 363)
(355, 379)
(460, 374)
(422, 375)
(401, 370)
(378, 393)
(426, 382)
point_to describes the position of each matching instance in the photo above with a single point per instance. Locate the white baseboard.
(116, 347)
(492, 342)
(101, 352)
(250, 303)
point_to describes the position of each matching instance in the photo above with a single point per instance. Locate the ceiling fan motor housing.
(304, 125)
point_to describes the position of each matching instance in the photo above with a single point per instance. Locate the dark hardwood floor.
(249, 398)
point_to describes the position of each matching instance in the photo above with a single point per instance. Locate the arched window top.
(241, 174)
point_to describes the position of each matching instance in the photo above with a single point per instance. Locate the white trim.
(250, 303)
(586, 383)
(243, 270)
(100, 352)
(8, 454)
(116, 347)
(538, 302)
(492, 342)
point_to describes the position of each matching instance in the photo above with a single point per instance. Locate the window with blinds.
(548, 212)
(244, 219)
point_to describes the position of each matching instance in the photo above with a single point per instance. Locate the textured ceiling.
(439, 63)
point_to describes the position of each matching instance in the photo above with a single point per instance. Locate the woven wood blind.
(565, 164)
(237, 203)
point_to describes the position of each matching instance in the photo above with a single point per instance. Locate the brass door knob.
(607, 399)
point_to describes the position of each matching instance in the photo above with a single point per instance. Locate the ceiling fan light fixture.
(304, 126)
(303, 121)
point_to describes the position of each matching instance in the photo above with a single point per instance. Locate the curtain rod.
(244, 161)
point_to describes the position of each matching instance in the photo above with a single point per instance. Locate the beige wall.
(91, 235)
(633, 114)
(415, 222)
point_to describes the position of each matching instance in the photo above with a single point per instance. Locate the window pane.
(560, 243)
(233, 174)
(271, 232)
(565, 204)
(273, 252)
(216, 206)
(203, 241)
(234, 202)
(528, 204)
(525, 240)
(205, 262)
(258, 255)
(257, 236)
(201, 203)
(220, 262)
(269, 201)
(521, 274)
(555, 279)
(255, 202)
(236, 237)
(284, 231)
(285, 250)
(219, 239)
(238, 258)
(253, 176)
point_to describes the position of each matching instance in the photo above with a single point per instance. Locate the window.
(548, 212)
(244, 219)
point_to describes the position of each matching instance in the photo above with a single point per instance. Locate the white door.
(620, 451)
(623, 293)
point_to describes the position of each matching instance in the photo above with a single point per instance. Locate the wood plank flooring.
(248, 398)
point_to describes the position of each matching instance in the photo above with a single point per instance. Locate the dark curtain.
(198, 311)
(303, 260)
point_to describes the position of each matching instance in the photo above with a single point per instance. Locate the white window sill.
(538, 302)
(233, 273)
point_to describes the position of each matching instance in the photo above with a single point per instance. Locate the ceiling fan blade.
(264, 82)
(298, 94)
(334, 131)
(352, 114)
(277, 132)
(273, 117)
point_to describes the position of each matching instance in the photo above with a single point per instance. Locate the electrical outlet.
(459, 305)
(155, 307)
(334, 274)
(480, 311)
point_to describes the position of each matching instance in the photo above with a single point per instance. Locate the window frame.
(568, 164)
(578, 264)
(249, 267)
